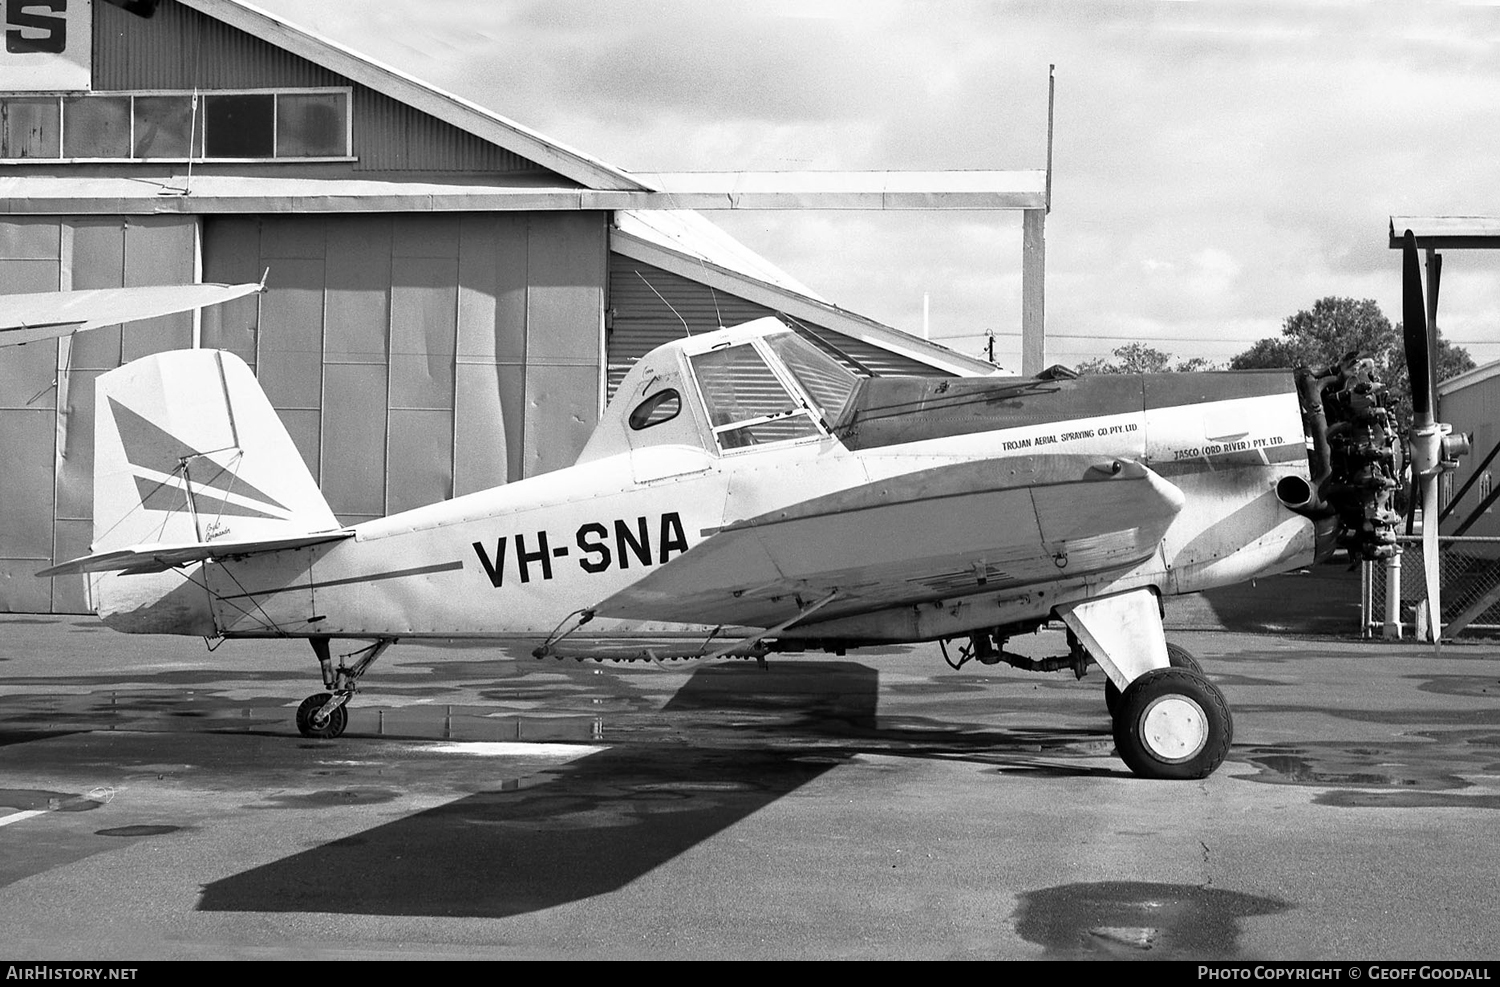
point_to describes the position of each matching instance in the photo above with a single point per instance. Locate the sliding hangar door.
(412, 357)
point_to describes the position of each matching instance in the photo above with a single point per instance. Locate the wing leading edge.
(935, 534)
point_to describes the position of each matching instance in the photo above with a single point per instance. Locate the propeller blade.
(1414, 332)
(1430, 557)
(1434, 278)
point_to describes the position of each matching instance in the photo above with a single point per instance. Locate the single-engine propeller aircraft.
(746, 493)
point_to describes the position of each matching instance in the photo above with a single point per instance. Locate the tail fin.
(188, 451)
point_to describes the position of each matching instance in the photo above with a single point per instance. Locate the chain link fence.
(1468, 573)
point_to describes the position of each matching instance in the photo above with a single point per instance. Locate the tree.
(1138, 358)
(1335, 327)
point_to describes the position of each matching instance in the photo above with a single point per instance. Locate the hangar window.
(28, 127)
(98, 127)
(259, 125)
(242, 125)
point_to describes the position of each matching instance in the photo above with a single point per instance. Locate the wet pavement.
(157, 802)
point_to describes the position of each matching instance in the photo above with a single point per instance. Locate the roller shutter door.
(649, 307)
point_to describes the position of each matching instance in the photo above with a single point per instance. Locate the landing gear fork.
(322, 715)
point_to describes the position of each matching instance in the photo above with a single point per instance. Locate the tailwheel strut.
(323, 715)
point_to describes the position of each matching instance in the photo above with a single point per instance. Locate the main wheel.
(1177, 656)
(331, 726)
(1173, 723)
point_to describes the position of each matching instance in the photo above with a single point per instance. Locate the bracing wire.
(666, 303)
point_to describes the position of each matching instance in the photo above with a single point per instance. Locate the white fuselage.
(519, 559)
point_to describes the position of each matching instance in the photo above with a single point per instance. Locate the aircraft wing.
(161, 557)
(49, 314)
(935, 534)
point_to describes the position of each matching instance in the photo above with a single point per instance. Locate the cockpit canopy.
(771, 389)
(752, 385)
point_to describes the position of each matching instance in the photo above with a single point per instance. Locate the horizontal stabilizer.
(159, 558)
(50, 314)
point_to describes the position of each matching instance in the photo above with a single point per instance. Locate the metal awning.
(877, 190)
(708, 191)
(1448, 232)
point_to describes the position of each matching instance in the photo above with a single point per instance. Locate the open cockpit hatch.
(722, 393)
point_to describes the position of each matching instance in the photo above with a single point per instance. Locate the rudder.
(188, 449)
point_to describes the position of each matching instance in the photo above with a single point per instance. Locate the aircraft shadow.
(602, 822)
(1323, 600)
(736, 740)
(581, 829)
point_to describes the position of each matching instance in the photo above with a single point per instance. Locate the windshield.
(746, 403)
(828, 382)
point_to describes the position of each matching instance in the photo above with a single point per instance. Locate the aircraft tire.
(337, 720)
(1179, 656)
(1173, 724)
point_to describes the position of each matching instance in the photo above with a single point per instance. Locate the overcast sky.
(1217, 166)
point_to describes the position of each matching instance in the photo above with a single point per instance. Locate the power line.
(1170, 339)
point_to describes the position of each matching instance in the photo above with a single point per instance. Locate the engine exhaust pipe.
(1296, 494)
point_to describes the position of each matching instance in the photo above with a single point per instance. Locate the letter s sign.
(48, 45)
(36, 25)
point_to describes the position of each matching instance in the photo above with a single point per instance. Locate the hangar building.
(1470, 402)
(450, 295)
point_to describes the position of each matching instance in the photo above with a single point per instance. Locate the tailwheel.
(1177, 657)
(312, 722)
(1173, 723)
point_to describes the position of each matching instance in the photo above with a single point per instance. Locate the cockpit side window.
(747, 404)
(663, 406)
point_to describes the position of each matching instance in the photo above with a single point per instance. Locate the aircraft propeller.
(1434, 447)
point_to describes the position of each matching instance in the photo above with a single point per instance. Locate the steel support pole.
(1392, 629)
(1033, 292)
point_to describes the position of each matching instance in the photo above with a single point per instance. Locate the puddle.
(1407, 800)
(330, 797)
(1124, 920)
(137, 831)
(29, 800)
(1408, 767)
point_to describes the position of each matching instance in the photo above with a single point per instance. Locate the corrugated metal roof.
(701, 252)
(692, 235)
(651, 306)
(182, 49)
(1468, 378)
(447, 107)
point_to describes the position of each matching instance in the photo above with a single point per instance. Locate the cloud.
(1218, 166)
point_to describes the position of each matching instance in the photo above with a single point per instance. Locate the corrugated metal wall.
(1474, 409)
(650, 306)
(47, 392)
(414, 358)
(181, 49)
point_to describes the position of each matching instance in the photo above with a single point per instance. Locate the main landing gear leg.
(322, 715)
(1169, 720)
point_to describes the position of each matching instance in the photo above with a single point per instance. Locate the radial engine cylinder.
(1352, 458)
